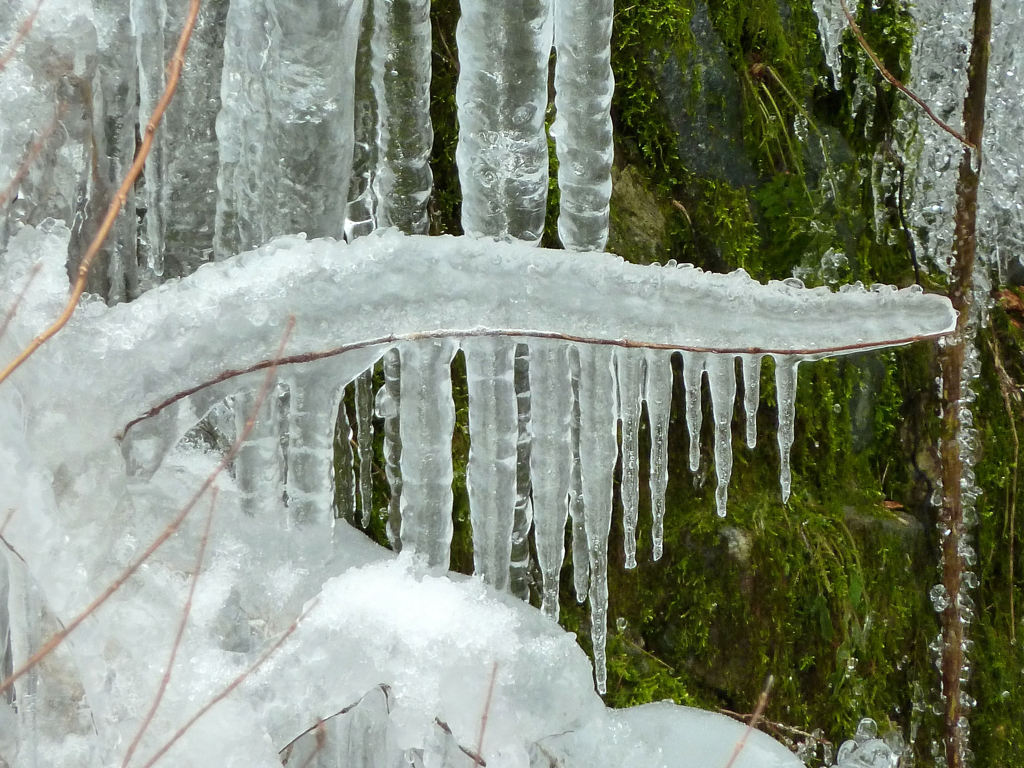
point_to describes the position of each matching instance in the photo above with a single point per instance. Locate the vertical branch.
(952, 363)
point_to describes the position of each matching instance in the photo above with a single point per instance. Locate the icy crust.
(387, 287)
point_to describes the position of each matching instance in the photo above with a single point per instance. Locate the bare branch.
(21, 34)
(855, 28)
(33, 152)
(310, 357)
(762, 702)
(118, 202)
(478, 760)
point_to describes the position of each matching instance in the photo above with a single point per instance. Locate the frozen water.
(398, 658)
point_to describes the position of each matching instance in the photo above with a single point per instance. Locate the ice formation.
(320, 116)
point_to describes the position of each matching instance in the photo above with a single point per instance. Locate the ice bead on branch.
(583, 125)
(502, 95)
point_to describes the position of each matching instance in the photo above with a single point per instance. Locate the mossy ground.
(827, 593)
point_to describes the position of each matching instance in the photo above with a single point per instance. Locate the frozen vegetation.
(316, 646)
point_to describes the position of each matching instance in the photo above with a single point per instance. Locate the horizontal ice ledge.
(387, 287)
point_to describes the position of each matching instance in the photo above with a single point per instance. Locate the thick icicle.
(360, 213)
(401, 81)
(520, 566)
(180, 182)
(364, 442)
(427, 422)
(751, 394)
(344, 457)
(312, 403)
(551, 460)
(629, 370)
(831, 25)
(285, 130)
(693, 374)
(658, 396)
(583, 123)
(502, 93)
(785, 395)
(115, 113)
(259, 464)
(493, 444)
(577, 510)
(598, 453)
(386, 406)
(722, 383)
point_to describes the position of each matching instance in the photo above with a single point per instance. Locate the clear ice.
(312, 118)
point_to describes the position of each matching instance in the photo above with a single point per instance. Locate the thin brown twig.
(855, 28)
(120, 198)
(774, 725)
(33, 152)
(176, 644)
(21, 34)
(230, 687)
(164, 535)
(309, 357)
(13, 310)
(762, 702)
(1006, 386)
(7, 519)
(477, 761)
(321, 742)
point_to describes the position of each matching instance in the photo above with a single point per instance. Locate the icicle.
(115, 113)
(286, 98)
(311, 431)
(722, 383)
(520, 567)
(551, 460)
(583, 125)
(785, 394)
(493, 446)
(502, 94)
(180, 181)
(401, 81)
(693, 372)
(751, 394)
(577, 510)
(345, 478)
(598, 453)
(259, 464)
(360, 214)
(386, 406)
(658, 396)
(364, 441)
(831, 25)
(427, 421)
(629, 368)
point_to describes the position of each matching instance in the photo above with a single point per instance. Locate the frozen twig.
(230, 687)
(176, 644)
(309, 357)
(120, 198)
(50, 645)
(855, 28)
(7, 518)
(478, 760)
(21, 34)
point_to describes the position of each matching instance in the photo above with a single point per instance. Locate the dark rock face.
(703, 102)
